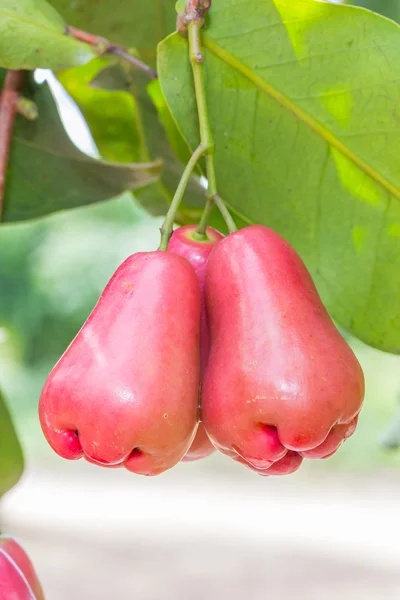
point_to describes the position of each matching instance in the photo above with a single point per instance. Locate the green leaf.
(32, 35)
(115, 76)
(110, 115)
(133, 23)
(304, 106)
(11, 458)
(48, 173)
(174, 137)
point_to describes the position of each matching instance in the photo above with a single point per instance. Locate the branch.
(8, 110)
(195, 10)
(104, 46)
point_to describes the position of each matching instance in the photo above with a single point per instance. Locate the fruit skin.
(9, 547)
(197, 252)
(128, 383)
(281, 383)
(13, 584)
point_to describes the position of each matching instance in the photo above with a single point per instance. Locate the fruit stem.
(195, 24)
(167, 226)
(230, 223)
(201, 231)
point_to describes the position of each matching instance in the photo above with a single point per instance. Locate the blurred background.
(210, 529)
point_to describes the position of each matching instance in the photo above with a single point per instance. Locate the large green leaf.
(134, 23)
(48, 173)
(32, 35)
(11, 458)
(304, 106)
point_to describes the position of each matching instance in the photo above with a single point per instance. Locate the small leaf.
(112, 78)
(304, 107)
(11, 457)
(48, 173)
(32, 35)
(110, 115)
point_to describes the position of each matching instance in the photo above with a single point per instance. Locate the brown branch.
(104, 46)
(195, 10)
(8, 110)
(26, 108)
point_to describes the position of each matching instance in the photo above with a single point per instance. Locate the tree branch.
(8, 110)
(195, 10)
(104, 46)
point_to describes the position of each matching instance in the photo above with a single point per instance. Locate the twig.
(104, 46)
(195, 10)
(133, 60)
(8, 110)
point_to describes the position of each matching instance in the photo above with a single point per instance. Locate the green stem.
(206, 137)
(167, 226)
(225, 213)
(196, 60)
(201, 231)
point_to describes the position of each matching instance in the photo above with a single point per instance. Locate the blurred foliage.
(52, 271)
(130, 120)
(32, 34)
(119, 140)
(48, 173)
(142, 23)
(11, 458)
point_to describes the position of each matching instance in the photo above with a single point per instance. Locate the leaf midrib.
(82, 158)
(300, 114)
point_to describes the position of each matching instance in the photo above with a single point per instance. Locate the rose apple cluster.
(217, 344)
